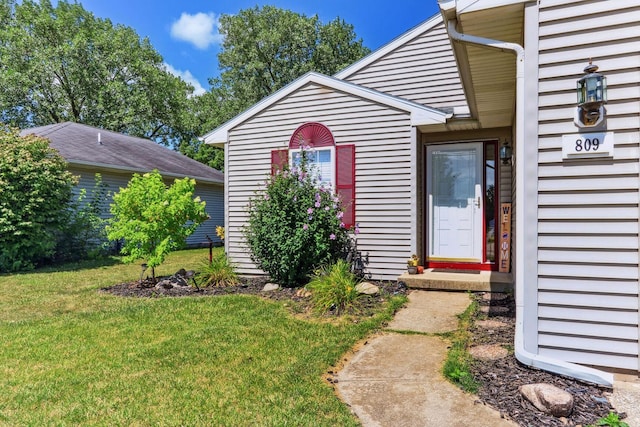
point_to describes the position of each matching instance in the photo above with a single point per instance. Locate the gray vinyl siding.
(423, 70)
(588, 211)
(382, 137)
(212, 194)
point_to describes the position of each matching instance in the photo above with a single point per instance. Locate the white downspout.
(522, 354)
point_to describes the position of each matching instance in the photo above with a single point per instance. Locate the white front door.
(455, 198)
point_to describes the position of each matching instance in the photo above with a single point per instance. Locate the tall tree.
(266, 48)
(64, 64)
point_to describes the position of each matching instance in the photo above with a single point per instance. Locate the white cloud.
(187, 77)
(200, 29)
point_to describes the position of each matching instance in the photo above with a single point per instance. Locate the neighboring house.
(117, 157)
(421, 123)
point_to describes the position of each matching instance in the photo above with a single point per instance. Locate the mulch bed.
(499, 379)
(146, 289)
(251, 286)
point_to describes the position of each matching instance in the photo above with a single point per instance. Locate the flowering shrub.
(295, 225)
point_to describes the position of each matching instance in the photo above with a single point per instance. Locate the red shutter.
(346, 181)
(279, 159)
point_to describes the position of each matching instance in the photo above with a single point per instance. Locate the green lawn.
(71, 355)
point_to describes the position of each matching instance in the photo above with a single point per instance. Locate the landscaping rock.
(164, 284)
(491, 324)
(494, 310)
(495, 296)
(178, 280)
(488, 352)
(270, 287)
(367, 288)
(548, 399)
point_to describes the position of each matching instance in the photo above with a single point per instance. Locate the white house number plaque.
(587, 145)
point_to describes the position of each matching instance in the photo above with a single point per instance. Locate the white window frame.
(332, 154)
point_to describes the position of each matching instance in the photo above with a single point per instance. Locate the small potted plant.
(412, 264)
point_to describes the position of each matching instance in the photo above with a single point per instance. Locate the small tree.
(154, 219)
(295, 226)
(35, 191)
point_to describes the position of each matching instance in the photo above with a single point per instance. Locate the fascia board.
(127, 170)
(220, 135)
(420, 114)
(424, 117)
(465, 6)
(389, 47)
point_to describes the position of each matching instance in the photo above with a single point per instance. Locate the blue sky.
(185, 32)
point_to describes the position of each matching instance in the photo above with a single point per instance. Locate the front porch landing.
(459, 280)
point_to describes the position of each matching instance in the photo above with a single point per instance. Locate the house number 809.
(587, 144)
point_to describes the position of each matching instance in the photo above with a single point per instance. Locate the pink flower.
(305, 227)
(310, 211)
(317, 204)
(332, 236)
(326, 208)
(339, 215)
(357, 229)
(342, 225)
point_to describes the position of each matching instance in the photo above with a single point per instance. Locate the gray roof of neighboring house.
(84, 145)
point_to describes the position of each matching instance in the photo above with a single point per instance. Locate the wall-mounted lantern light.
(505, 153)
(592, 95)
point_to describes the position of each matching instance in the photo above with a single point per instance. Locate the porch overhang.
(488, 75)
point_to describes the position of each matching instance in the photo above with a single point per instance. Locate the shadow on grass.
(72, 266)
(106, 261)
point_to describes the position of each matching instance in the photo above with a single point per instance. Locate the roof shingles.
(86, 145)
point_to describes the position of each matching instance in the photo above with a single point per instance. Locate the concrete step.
(459, 280)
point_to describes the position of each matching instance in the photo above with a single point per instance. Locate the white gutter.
(522, 354)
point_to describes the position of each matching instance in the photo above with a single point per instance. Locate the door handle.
(478, 202)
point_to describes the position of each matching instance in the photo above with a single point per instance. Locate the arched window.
(334, 162)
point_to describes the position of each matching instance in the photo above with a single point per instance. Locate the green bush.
(333, 288)
(35, 191)
(219, 272)
(295, 226)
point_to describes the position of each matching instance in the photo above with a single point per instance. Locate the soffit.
(490, 73)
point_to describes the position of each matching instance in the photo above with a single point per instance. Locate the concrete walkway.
(396, 380)
(625, 397)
